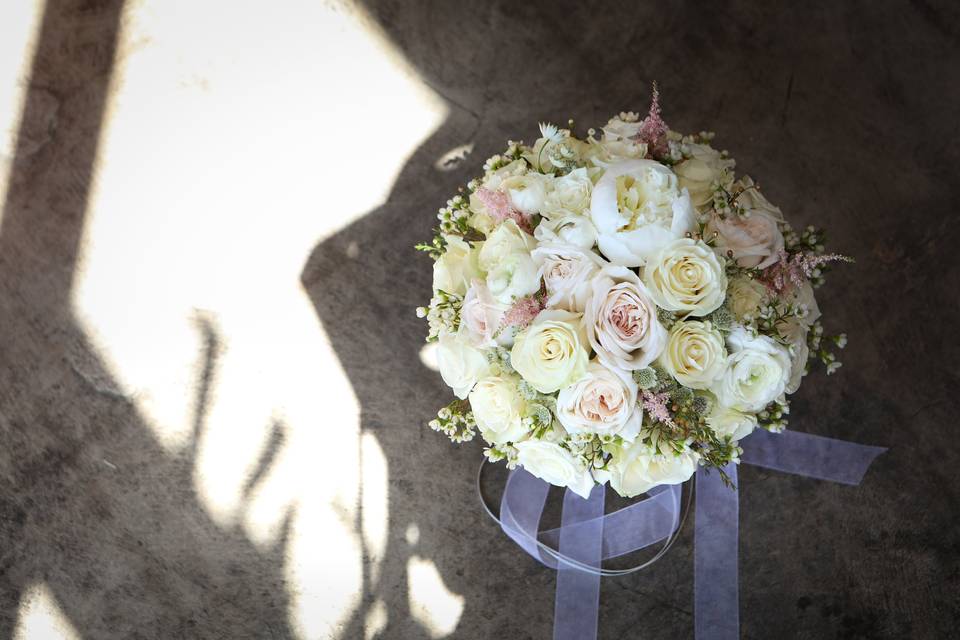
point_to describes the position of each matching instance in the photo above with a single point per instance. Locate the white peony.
(453, 271)
(727, 421)
(756, 372)
(461, 364)
(685, 275)
(637, 209)
(505, 256)
(637, 468)
(480, 315)
(705, 168)
(694, 354)
(745, 296)
(554, 464)
(552, 352)
(498, 409)
(570, 195)
(568, 229)
(621, 320)
(567, 272)
(602, 402)
(527, 192)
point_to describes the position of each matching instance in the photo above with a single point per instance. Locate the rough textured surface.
(846, 113)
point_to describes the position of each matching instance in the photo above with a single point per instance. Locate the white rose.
(756, 372)
(461, 365)
(603, 402)
(795, 332)
(453, 271)
(621, 320)
(745, 297)
(505, 256)
(567, 272)
(619, 140)
(694, 354)
(637, 468)
(570, 195)
(527, 192)
(554, 464)
(637, 209)
(569, 229)
(498, 409)
(726, 421)
(701, 171)
(685, 275)
(480, 315)
(552, 351)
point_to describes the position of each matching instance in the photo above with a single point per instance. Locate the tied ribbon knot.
(586, 537)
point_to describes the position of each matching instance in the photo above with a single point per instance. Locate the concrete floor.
(845, 112)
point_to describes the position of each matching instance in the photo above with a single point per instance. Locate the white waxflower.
(694, 354)
(755, 374)
(554, 464)
(567, 272)
(636, 468)
(552, 352)
(498, 409)
(453, 271)
(637, 209)
(621, 320)
(602, 402)
(686, 276)
(461, 364)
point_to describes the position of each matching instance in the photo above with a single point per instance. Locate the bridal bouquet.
(621, 307)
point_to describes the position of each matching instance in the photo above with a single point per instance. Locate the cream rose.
(694, 354)
(637, 468)
(705, 168)
(685, 275)
(726, 421)
(505, 256)
(570, 195)
(795, 330)
(527, 192)
(619, 140)
(552, 351)
(461, 365)
(745, 296)
(567, 272)
(603, 402)
(754, 241)
(453, 271)
(621, 320)
(554, 464)
(480, 315)
(571, 229)
(637, 209)
(498, 409)
(755, 374)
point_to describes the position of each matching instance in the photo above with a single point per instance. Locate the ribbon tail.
(578, 592)
(716, 548)
(809, 455)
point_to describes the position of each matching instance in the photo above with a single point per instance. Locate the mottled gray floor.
(845, 112)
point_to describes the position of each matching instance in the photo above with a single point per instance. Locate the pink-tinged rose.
(566, 271)
(753, 241)
(603, 402)
(621, 320)
(481, 315)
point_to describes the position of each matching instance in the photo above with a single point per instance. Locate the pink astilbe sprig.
(653, 130)
(523, 312)
(656, 405)
(792, 271)
(500, 208)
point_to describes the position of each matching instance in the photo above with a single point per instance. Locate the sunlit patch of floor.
(213, 186)
(432, 604)
(40, 618)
